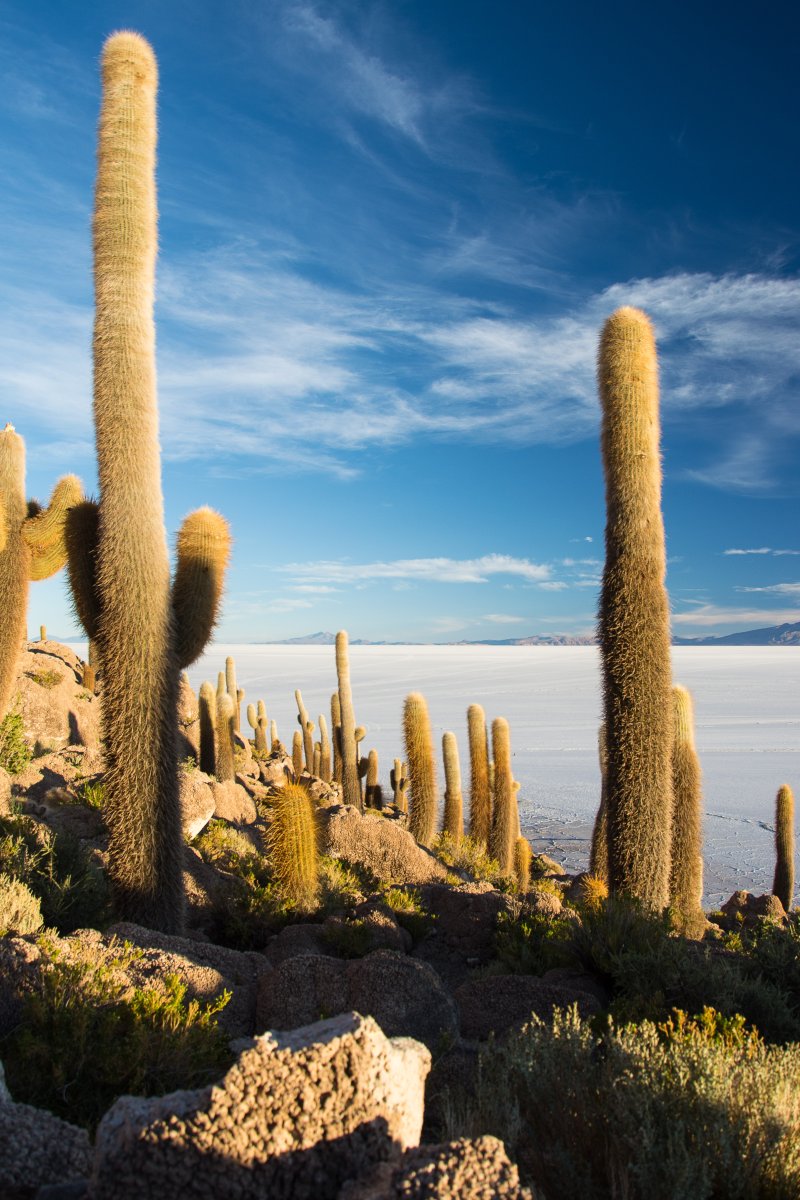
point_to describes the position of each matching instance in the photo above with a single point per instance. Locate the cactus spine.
(453, 800)
(31, 547)
(634, 615)
(351, 785)
(140, 623)
(598, 854)
(423, 800)
(686, 873)
(208, 721)
(504, 817)
(480, 799)
(307, 730)
(783, 883)
(293, 845)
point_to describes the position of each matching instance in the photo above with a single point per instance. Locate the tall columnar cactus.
(686, 874)
(208, 723)
(453, 799)
(233, 690)
(297, 753)
(522, 863)
(32, 547)
(480, 797)
(226, 719)
(257, 719)
(146, 630)
(634, 615)
(336, 737)
(504, 818)
(324, 750)
(598, 854)
(306, 728)
(351, 785)
(783, 883)
(273, 735)
(373, 793)
(423, 799)
(293, 845)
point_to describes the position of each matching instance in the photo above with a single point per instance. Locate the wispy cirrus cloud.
(762, 550)
(717, 614)
(777, 589)
(433, 570)
(504, 619)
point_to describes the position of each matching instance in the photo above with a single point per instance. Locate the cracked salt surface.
(747, 709)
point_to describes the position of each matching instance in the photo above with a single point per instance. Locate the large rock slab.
(378, 844)
(56, 709)
(500, 1003)
(198, 802)
(466, 1169)
(37, 1148)
(405, 997)
(464, 927)
(295, 1117)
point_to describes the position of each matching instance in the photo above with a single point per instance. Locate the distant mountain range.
(773, 635)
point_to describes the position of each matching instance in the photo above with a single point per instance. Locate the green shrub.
(72, 890)
(698, 1109)
(45, 678)
(409, 911)
(533, 942)
(20, 910)
(84, 1039)
(15, 750)
(470, 856)
(93, 794)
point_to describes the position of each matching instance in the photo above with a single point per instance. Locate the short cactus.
(336, 737)
(634, 627)
(480, 797)
(522, 863)
(453, 799)
(504, 819)
(783, 883)
(257, 719)
(686, 878)
(398, 778)
(324, 750)
(233, 690)
(307, 730)
(293, 845)
(297, 753)
(423, 800)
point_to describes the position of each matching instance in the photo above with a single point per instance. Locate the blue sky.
(389, 236)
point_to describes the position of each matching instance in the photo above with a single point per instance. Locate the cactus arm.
(203, 550)
(43, 531)
(81, 536)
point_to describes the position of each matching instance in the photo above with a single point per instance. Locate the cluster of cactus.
(146, 630)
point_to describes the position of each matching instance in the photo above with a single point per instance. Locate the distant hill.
(773, 635)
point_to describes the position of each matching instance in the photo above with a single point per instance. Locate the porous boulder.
(378, 845)
(499, 1004)
(467, 1169)
(296, 1116)
(462, 936)
(405, 997)
(37, 1149)
(198, 802)
(745, 908)
(56, 709)
(233, 803)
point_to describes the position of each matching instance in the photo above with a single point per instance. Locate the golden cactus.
(207, 708)
(504, 818)
(598, 854)
(783, 883)
(686, 874)
(351, 785)
(634, 615)
(226, 718)
(293, 845)
(453, 799)
(522, 863)
(423, 801)
(480, 798)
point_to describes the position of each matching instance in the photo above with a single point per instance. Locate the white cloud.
(436, 570)
(763, 550)
(554, 585)
(503, 619)
(778, 589)
(714, 614)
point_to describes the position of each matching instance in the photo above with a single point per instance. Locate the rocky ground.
(347, 1029)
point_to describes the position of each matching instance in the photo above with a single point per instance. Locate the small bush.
(45, 678)
(20, 910)
(409, 912)
(72, 891)
(533, 942)
(93, 795)
(698, 1108)
(15, 750)
(469, 856)
(84, 1039)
